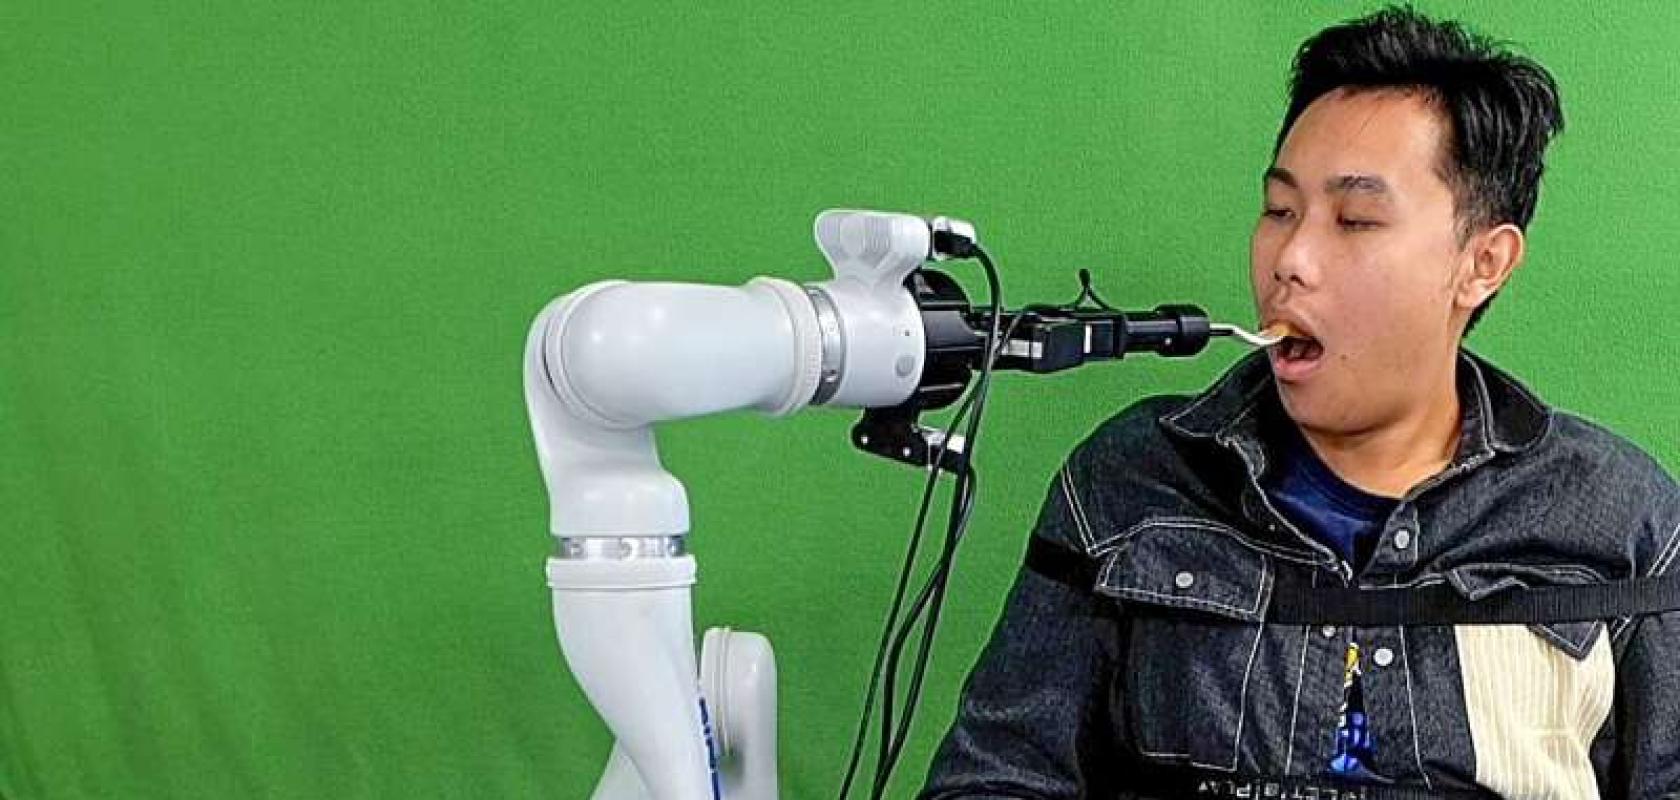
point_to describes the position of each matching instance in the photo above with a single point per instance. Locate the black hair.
(1503, 108)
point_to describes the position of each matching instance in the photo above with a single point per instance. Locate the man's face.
(1358, 248)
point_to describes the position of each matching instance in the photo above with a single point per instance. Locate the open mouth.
(1299, 348)
(1297, 355)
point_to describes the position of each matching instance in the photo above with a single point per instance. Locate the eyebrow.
(1335, 184)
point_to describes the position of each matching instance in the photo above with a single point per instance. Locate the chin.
(1312, 407)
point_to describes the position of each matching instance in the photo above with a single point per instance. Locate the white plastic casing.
(738, 678)
(626, 631)
(607, 361)
(872, 253)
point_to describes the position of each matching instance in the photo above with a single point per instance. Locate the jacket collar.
(1500, 414)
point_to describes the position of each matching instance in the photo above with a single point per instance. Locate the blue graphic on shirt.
(1354, 743)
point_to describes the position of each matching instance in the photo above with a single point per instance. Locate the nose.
(1294, 260)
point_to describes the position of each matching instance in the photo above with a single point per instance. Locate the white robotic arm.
(606, 362)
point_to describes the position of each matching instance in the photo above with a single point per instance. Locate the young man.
(1368, 451)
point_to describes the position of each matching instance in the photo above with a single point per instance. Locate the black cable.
(904, 579)
(932, 599)
(887, 742)
(932, 593)
(994, 347)
(1085, 290)
(905, 572)
(926, 609)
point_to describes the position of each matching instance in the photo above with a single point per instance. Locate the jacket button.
(1383, 657)
(1402, 539)
(1184, 580)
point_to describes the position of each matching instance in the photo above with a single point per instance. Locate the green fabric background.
(272, 523)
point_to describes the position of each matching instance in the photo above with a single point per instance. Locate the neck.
(1390, 459)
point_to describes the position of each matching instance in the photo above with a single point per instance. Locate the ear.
(1494, 254)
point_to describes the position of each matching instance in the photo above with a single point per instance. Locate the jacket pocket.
(1477, 581)
(1189, 564)
(1185, 694)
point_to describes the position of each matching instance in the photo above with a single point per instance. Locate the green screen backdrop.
(270, 518)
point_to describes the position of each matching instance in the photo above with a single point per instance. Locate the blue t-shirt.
(1323, 505)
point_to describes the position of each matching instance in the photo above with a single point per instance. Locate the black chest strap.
(1441, 604)
(1296, 603)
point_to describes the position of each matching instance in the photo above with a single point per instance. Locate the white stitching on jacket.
(1300, 678)
(1080, 523)
(1242, 698)
(1665, 558)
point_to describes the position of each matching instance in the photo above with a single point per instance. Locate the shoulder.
(1129, 470)
(1610, 481)
(1132, 438)
(1604, 460)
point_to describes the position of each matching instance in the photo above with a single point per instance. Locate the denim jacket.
(1079, 691)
